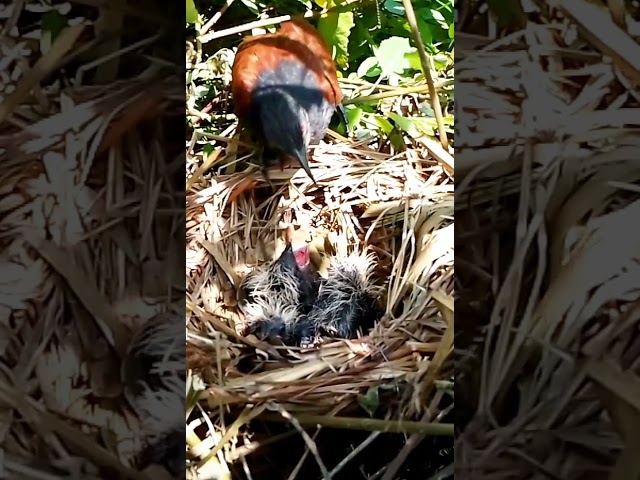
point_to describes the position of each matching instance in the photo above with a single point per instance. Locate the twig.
(371, 424)
(424, 60)
(394, 93)
(267, 22)
(412, 442)
(311, 445)
(367, 441)
(213, 20)
(253, 447)
(296, 470)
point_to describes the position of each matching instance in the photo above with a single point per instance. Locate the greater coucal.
(285, 90)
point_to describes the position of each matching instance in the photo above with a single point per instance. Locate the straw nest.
(547, 376)
(398, 205)
(81, 268)
(76, 210)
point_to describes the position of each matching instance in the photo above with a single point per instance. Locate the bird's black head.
(292, 260)
(298, 263)
(282, 125)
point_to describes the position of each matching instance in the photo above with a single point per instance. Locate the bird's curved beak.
(302, 157)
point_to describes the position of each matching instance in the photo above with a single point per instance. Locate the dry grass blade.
(46, 423)
(548, 265)
(624, 385)
(620, 393)
(597, 24)
(43, 67)
(85, 292)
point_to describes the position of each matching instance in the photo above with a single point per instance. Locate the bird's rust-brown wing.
(263, 52)
(245, 71)
(302, 31)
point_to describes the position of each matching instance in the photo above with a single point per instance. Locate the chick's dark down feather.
(153, 374)
(297, 305)
(276, 299)
(347, 299)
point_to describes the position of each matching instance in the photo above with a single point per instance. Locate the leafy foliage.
(375, 54)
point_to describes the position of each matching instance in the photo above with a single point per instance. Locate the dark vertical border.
(546, 190)
(92, 238)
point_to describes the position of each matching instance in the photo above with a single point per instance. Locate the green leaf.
(354, 115)
(414, 60)
(370, 401)
(252, 6)
(391, 55)
(451, 30)
(384, 124)
(441, 60)
(414, 126)
(395, 7)
(437, 15)
(335, 28)
(406, 124)
(207, 149)
(433, 16)
(53, 22)
(427, 110)
(192, 13)
(397, 140)
(425, 31)
(370, 67)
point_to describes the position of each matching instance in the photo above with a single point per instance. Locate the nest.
(397, 206)
(81, 267)
(549, 181)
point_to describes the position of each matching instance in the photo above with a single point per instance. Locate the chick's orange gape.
(285, 90)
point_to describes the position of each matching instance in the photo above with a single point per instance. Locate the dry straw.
(548, 270)
(401, 207)
(79, 199)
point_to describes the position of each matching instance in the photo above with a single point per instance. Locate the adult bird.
(285, 91)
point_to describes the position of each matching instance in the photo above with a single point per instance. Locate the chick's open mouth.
(302, 256)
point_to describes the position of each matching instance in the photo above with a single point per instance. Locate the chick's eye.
(279, 287)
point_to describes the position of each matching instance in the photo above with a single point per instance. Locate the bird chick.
(153, 374)
(285, 90)
(275, 300)
(347, 299)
